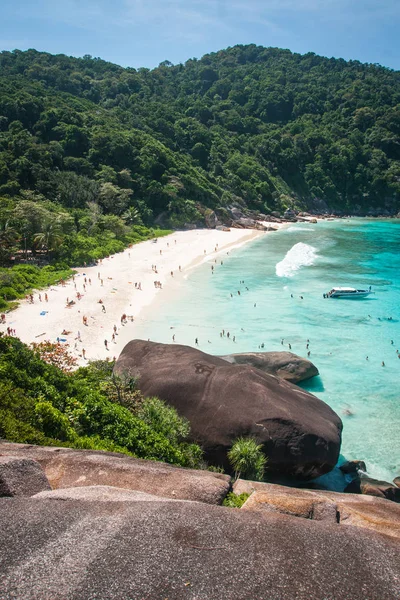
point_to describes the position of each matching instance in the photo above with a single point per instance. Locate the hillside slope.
(259, 126)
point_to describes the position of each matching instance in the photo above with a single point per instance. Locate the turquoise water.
(306, 260)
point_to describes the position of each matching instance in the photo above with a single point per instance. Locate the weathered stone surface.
(373, 487)
(67, 468)
(53, 550)
(285, 365)
(353, 466)
(299, 433)
(21, 477)
(101, 493)
(366, 512)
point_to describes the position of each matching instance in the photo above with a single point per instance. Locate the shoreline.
(112, 281)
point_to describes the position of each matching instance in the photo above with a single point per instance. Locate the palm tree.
(50, 238)
(131, 215)
(247, 459)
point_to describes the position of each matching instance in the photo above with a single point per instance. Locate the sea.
(269, 295)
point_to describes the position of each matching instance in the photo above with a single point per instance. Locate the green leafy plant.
(247, 459)
(235, 500)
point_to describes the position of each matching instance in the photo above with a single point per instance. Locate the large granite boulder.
(21, 477)
(299, 433)
(367, 512)
(67, 468)
(59, 549)
(285, 365)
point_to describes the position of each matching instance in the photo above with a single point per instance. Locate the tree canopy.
(82, 140)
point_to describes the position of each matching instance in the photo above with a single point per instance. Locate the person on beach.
(115, 329)
(103, 308)
(180, 268)
(78, 336)
(40, 297)
(83, 353)
(234, 339)
(290, 346)
(113, 338)
(196, 341)
(173, 338)
(106, 344)
(308, 354)
(172, 273)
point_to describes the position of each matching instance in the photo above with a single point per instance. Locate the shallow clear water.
(286, 274)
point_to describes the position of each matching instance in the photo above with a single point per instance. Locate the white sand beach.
(113, 282)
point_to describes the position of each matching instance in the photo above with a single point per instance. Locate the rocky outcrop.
(285, 365)
(372, 487)
(366, 512)
(21, 477)
(396, 481)
(299, 433)
(66, 468)
(352, 467)
(58, 549)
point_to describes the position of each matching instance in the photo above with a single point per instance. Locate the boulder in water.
(373, 487)
(285, 365)
(299, 433)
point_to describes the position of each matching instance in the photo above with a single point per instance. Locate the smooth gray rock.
(66, 468)
(101, 493)
(285, 365)
(58, 550)
(21, 477)
(299, 433)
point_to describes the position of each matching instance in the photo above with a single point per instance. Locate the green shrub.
(164, 419)
(235, 500)
(53, 422)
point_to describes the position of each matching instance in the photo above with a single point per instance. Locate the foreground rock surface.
(285, 365)
(21, 477)
(299, 433)
(55, 549)
(367, 512)
(66, 468)
(101, 493)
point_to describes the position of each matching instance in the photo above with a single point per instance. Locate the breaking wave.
(300, 255)
(300, 229)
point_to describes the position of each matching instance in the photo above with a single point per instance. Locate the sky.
(143, 33)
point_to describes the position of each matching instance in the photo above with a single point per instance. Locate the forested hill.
(259, 126)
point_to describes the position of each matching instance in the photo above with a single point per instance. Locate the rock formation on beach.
(299, 433)
(285, 365)
(86, 539)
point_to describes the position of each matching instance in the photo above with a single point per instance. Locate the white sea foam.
(300, 229)
(300, 255)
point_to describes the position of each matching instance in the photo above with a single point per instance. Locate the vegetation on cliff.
(89, 408)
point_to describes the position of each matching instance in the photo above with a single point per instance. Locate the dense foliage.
(89, 408)
(98, 146)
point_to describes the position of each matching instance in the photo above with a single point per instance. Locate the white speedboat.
(347, 292)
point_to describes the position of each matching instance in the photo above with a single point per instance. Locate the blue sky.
(145, 32)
